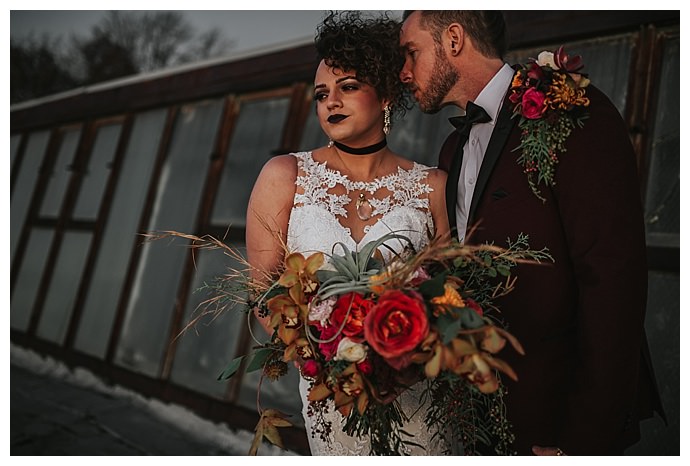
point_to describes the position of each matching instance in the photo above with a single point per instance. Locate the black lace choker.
(361, 150)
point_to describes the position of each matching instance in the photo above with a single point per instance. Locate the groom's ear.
(455, 38)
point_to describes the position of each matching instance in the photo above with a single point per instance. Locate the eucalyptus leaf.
(459, 262)
(434, 287)
(449, 326)
(463, 318)
(231, 368)
(259, 359)
(469, 318)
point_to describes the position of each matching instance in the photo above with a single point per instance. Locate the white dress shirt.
(491, 99)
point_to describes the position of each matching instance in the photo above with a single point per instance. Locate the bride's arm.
(437, 204)
(268, 214)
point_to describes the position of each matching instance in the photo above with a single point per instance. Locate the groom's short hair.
(486, 28)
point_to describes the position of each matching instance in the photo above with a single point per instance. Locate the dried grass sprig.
(229, 289)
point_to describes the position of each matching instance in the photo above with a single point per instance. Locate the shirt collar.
(491, 97)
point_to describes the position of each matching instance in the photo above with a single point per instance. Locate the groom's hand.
(547, 451)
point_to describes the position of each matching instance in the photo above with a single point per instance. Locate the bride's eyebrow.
(338, 81)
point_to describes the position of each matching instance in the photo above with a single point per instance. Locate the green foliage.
(231, 369)
(491, 274)
(450, 323)
(353, 269)
(475, 421)
(259, 358)
(382, 424)
(434, 287)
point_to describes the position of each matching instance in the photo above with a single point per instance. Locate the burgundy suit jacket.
(586, 378)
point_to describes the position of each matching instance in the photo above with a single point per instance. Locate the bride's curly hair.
(369, 46)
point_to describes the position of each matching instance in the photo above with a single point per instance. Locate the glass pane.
(663, 186)
(60, 174)
(97, 173)
(15, 139)
(282, 394)
(152, 300)
(204, 349)
(257, 135)
(313, 136)
(606, 61)
(24, 186)
(663, 334)
(119, 235)
(419, 136)
(29, 278)
(608, 66)
(63, 287)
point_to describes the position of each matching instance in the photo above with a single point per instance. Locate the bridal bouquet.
(363, 332)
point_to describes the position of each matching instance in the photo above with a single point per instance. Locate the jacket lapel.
(499, 136)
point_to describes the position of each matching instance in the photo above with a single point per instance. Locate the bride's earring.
(386, 120)
(330, 143)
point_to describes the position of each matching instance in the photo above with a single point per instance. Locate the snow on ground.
(232, 441)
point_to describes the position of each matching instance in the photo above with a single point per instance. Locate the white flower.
(350, 351)
(546, 59)
(321, 310)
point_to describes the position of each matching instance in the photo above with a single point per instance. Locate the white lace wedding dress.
(400, 204)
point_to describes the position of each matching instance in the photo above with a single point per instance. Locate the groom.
(586, 379)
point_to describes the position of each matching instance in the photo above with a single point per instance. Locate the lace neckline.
(407, 188)
(323, 194)
(370, 186)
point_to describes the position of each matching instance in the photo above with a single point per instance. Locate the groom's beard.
(441, 82)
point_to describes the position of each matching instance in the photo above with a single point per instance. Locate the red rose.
(533, 104)
(310, 368)
(396, 325)
(358, 308)
(472, 304)
(329, 350)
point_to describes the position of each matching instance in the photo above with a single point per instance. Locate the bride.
(354, 190)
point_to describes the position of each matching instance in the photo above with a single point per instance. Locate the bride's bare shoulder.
(282, 163)
(280, 168)
(437, 176)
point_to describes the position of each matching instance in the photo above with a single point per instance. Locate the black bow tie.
(474, 114)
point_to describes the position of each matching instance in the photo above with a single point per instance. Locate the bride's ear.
(385, 103)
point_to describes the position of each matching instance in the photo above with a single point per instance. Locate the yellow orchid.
(301, 271)
(450, 299)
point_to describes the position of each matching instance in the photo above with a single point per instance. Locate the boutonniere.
(548, 95)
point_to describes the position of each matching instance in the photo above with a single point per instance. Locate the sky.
(247, 29)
